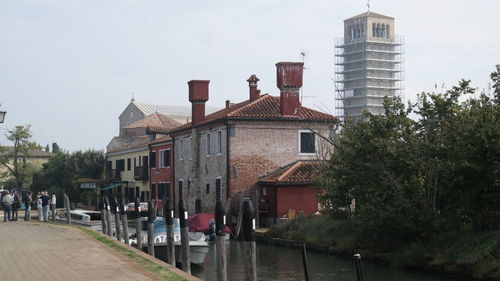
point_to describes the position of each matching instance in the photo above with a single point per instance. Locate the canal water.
(283, 263)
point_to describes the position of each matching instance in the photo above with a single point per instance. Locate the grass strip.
(153, 267)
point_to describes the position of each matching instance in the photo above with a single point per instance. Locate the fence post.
(169, 221)
(357, 264)
(109, 231)
(151, 228)
(183, 221)
(254, 196)
(116, 213)
(249, 241)
(305, 263)
(138, 224)
(68, 215)
(103, 215)
(220, 240)
(53, 207)
(124, 221)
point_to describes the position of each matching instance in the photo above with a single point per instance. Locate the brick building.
(220, 154)
(288, 191)
(129, 164)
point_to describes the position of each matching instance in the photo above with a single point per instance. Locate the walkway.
(44, 251)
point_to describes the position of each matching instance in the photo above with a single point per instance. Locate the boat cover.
(201, 223)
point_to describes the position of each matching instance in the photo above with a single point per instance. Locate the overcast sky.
(69, 68)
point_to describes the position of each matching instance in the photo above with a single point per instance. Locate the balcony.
(113, 175)
(141, 173)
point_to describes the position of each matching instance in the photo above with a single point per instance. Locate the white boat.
(198, 246)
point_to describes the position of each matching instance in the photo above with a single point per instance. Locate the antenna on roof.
(133, 99)
(303, 54)
(368, 5)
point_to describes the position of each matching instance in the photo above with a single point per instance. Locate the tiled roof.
(130, 143)
(265, 107)
(369, 14)
(299, 172)
(170, 110)
(155, 120)
(160, 140)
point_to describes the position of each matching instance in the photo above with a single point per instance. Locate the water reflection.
(282, 263)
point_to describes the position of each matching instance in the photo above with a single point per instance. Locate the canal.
(283, 263)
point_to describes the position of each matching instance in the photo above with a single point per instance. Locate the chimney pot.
(198, 95)
(289, 81)
(252, 85)
(228, 103)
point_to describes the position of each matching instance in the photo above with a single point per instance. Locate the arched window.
(358, 31)
(374, 34)
(387, 30)
(362, 29)
(382, 31)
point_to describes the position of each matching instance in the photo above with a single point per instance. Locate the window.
(207, 149)
(129, 164)
(166, 158)
(160, 159)
(218, 182)
(167, 191)
(307, 142)
(219, 142)
(120, 165)
(181, 149)
(190, 148)
(232, 130)
(161, 192)
(153, 191)
(207, 190)
(135, 162)
(152, 157)
(145, 161)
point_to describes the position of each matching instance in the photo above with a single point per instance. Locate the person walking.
(27, 206)
(45, 205)
(15, 205)
(1, 202)
(7, 201)
(39, 206)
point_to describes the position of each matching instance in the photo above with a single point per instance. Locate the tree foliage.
(61, 172)
(13, 158)
(412, 177)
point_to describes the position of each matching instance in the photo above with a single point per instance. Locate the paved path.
(44, 251)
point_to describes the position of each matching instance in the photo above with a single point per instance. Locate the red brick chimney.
(198, 95)
(289, 81)
(252, 84)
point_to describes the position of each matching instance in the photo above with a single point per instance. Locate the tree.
(55, 148)
(13, 159)
(411, 178)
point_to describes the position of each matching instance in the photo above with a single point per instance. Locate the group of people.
(11, 204)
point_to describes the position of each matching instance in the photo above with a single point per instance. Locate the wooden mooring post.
(183, 221)
(305, 263)
(249, 241)
(116, 213)
(151, 228)
(169, 221)
(68, 209)
(138, 224)
(220, 241)
(104, 222)
(109, 231)
(124, 221)
(357, 265)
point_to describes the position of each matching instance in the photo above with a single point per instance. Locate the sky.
(70, 67)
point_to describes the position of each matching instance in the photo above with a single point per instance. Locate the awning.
(111, 186)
